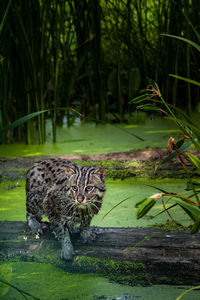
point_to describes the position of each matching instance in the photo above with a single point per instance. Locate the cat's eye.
(74, 188)
(89, 188)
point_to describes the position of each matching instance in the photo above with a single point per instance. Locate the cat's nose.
(80, 198)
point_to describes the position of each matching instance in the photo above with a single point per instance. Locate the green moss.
(10, 185)
(114, 169)
(125, 272)
(107, 164)
(12, 174)
(126, 169)
(171, 225)
(45, 258)
(108, 265)
(169, 280)
(113, 164)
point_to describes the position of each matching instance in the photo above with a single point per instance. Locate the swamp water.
(12, 202)
(46, 281)
(91, 139)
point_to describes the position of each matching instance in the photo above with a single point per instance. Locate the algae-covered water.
(45, 281)
(50, 282)
(12, 202)
(90, 139)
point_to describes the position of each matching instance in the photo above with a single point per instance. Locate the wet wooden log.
(129, 255)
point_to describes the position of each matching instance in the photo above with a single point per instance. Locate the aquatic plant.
(152, 100)
(6, 271)
(23, 293)
(187, 291)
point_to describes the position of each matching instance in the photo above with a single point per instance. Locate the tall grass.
(90, 55)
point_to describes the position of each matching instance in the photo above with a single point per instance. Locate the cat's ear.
(101, 173)
(69, 171)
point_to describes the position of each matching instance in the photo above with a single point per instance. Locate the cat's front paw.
(35, 226)
(67, 251)
(88, 236)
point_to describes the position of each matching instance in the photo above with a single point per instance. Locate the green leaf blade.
(174, 154)
(192, 210)
(188, 80)
(184, 40)
(196, 226)
(194, 160)
(21, 121)
(145, 206)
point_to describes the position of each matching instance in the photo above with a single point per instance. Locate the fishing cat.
(68, 194)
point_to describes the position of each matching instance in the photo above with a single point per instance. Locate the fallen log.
(126, 255)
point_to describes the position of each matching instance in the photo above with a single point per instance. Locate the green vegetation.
(65, 63)
(123, 272)
(152, 100)
(90, 57)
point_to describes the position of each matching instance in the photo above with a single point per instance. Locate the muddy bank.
(118, 165)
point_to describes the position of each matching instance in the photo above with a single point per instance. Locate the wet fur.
(68, 194)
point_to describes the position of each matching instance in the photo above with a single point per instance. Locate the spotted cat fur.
(68, 194)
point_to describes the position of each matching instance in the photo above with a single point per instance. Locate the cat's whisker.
(67, 206)
(91, 211)
(72, 207)
(66, 200)
(92, 203)
(75, 212)
(97, 201)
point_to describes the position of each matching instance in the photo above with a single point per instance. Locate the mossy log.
(128, 255)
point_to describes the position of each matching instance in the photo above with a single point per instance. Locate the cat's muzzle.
(80, 199)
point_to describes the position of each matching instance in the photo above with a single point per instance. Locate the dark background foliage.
(93, 56)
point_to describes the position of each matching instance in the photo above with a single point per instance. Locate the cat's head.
(86, 186)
